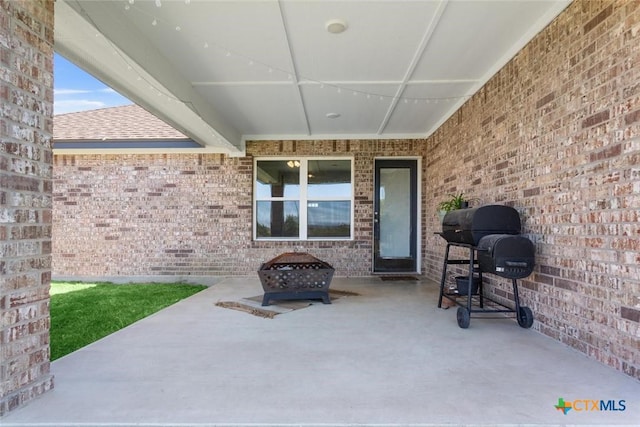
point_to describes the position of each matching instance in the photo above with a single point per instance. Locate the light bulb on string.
(270, 69)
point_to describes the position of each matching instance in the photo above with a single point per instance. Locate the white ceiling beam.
(413, 63)
(104, 46)
(298, 94)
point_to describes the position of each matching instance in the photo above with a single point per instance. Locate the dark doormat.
(392, 278)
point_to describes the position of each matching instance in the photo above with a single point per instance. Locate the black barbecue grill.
(491, 234)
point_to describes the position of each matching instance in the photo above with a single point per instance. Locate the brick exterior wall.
(26, 95)
(137, 215)
(555, 133)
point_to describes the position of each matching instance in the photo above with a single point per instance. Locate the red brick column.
(26, 95)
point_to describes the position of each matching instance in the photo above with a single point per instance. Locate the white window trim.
(304, 171)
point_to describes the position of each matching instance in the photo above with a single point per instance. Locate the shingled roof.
(126, 123)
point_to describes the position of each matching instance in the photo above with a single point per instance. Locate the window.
(303, 199)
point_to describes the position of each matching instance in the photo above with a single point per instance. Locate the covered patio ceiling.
(223, 72)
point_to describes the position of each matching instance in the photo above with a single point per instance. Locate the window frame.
(302, 199)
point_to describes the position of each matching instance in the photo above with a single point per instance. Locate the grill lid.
(468, 226)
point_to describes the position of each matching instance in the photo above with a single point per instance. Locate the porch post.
(26, 125)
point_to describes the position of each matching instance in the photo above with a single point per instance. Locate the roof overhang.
(89, 45)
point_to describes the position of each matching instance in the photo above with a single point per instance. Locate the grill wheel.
(525, 317)
(464, 317)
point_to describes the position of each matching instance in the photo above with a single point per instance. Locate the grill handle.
(516, 264)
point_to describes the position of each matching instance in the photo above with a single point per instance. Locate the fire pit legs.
(268, 296)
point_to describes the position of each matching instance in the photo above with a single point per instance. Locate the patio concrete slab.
(386, 357)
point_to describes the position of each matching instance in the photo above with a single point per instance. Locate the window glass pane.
(329, 219)
(329, 179)
(277, 219)
(278, 178)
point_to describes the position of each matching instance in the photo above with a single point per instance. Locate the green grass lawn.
(82, 313)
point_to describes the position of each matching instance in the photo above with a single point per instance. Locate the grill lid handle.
(516, 264)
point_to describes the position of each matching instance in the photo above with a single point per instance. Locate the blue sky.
(76, 90)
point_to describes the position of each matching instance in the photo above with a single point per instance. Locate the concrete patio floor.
(386, 357)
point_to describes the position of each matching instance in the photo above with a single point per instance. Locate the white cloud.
(62, 92)
(75, 105)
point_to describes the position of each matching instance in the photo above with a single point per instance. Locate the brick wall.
(26, 92)
(180, 215)
(556, 134)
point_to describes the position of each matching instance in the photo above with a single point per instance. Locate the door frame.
(419, 208)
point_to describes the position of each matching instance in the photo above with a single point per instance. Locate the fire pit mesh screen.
(295, 275)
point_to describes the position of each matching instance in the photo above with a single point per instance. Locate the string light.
(271, 69)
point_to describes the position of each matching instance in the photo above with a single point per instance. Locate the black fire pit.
(294, 276)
